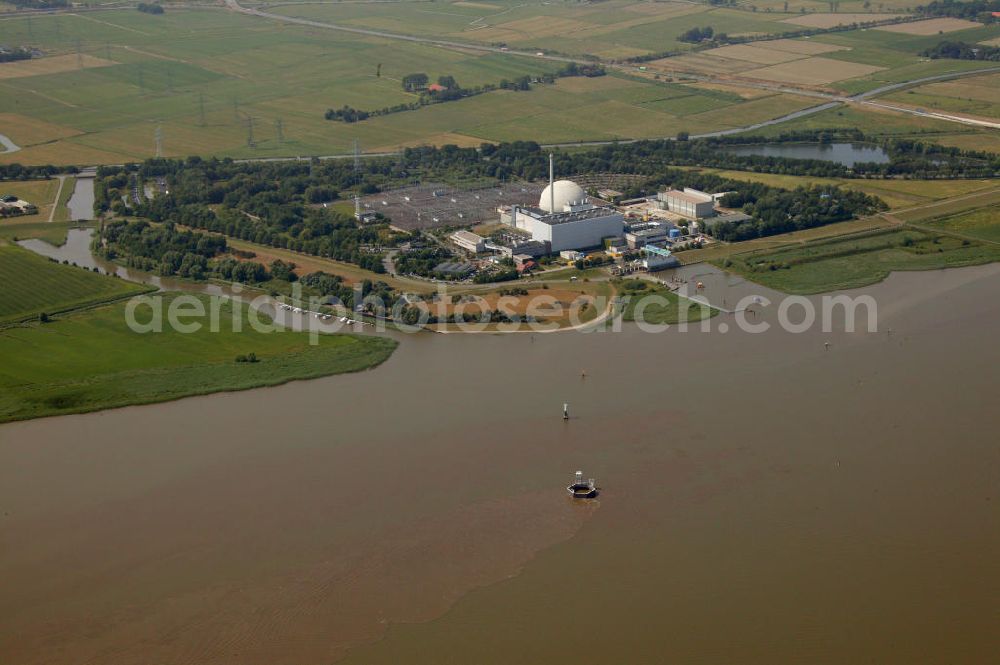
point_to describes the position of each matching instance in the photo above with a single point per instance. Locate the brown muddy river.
(766, 499)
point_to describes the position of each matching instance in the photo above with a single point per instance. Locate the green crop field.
(92, 360)
(608, 29)
(983, 224)
(33, 284)
(208, 78)
(855, 261)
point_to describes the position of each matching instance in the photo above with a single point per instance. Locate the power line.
(250, 141)
(279, 131)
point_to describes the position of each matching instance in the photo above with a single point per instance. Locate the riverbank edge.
(381, 349)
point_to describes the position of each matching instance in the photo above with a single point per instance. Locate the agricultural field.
(854, 261)
(833, 20)
(876, 121)
(975, 95)
(33, 284)
(217, 82)
(983, 224)
(898, 194)
(230, 77)
(613, 29)
(91, 360)
(933, 26)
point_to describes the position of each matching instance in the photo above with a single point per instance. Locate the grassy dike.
(32, 284)
(91, 360)
(859, 260)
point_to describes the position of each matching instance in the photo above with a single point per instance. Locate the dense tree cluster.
(40, 4)
(422, 262)
(16, 53)
(42, 171)
(413, 82)
(978, 10)
(697, 35)
(163, 250)
(777, 211)
(265, 203)
(150, 8)
(962, 51)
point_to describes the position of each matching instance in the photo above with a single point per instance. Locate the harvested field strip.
(833, 20)
(813, 71)
(930, 26)
(51, 65)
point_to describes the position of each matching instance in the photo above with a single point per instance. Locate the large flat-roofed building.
(566, 219)
(469, 241)
(689, 203)
(648, 234)
(533, 248)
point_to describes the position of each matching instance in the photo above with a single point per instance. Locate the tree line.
(449, 90)
(976, 10)
(16, 53)
(962, 51)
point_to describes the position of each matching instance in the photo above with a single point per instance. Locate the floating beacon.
(565, 411)
(582, 489)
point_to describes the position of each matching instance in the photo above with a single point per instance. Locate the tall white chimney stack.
(552, 184)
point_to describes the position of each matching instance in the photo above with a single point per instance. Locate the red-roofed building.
(436, 87)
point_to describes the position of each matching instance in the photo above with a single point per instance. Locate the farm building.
(11, 206)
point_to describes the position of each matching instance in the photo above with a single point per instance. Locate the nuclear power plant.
(565, 218)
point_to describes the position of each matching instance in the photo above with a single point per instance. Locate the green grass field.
(983, 224)
(854, 261)
(91, 360)
(33, 284)
(644, 302)
(202, 74)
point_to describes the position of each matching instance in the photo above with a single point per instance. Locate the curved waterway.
(766, 498)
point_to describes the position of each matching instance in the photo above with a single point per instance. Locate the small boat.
(582, 489)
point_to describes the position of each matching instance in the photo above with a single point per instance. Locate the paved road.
(55, 206)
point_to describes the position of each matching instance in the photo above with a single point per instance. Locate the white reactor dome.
(567, 193)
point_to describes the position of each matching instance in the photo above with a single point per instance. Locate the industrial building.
(469, 241)
(689, 203)
(640, 235)
(656, 258)
(565, 218)
(533, 248)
